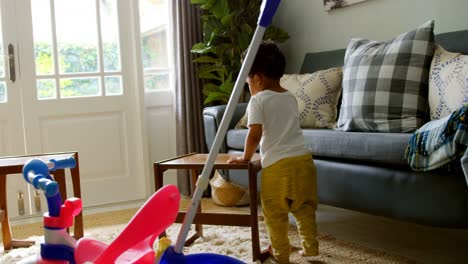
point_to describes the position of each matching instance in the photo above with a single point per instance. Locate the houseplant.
(228, 27)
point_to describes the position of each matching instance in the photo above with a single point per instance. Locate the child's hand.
(237, 160)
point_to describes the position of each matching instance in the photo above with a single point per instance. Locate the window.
(81, 59)
(154, 21)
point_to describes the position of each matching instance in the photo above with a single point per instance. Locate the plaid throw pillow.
(385, 84)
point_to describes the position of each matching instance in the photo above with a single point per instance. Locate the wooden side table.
(14, 165)
(195, 163)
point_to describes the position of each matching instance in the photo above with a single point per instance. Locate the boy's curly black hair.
(269, 61)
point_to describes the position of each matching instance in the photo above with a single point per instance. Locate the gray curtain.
(189, 99)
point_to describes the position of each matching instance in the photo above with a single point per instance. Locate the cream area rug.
(226, 240)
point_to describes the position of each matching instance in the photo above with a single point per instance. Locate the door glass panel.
(156, 52)
(113, 85)
(76, 28)
(79, 87)
(2, 92)
(46, 89)
(42, 34)
(110, 35)
(72, 38)
(156, 79)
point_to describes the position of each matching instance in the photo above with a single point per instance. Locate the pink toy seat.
(142, 252)
(135, 243)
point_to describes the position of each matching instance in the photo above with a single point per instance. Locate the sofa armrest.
(212, 117)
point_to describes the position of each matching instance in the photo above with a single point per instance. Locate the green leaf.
(276, 34)
(209, 4)
(209, 76)
(199, 2)
(209, 68)
(227, 87)
(199, 45)
(227, 20)
(243, 40)
(205, 59)
(209, 88)
(220, 8)
(201, 48)
(217, 96)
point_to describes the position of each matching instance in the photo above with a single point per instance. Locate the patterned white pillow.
(448, 82)
(317, 96)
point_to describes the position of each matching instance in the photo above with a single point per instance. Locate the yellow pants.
(290, 185)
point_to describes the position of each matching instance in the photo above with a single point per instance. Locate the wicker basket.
(225, 193)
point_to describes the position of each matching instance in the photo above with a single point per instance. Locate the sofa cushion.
(362, 146)
(235, 138)
(317, 96)
(388, 148)
(385, 84)
(448, 83)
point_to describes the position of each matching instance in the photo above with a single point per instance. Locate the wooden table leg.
(198, 227)
(59, 177)
(6, 231)
(195, 173)
(257, 254)
(254, 213)
(75, 177)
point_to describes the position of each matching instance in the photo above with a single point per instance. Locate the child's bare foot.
(272, 255)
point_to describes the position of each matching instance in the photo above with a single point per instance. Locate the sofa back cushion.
(448, 82)
(385, 84)
(317, 96)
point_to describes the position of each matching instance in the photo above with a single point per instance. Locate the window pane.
(3, 97)
(42, 33)
(79, 87)
(46, 89)
(154, 49)
(110, 35)
(154, 21)
(113, 85)
(77, 35)
(156, 81)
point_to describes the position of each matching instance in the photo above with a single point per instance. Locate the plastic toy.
(135, 243)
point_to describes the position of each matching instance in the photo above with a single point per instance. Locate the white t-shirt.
(279, 116)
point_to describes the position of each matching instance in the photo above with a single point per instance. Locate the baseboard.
(36, 218)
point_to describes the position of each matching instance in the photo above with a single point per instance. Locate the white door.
(76, 79)
(11, 118)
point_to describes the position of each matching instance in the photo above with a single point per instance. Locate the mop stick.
(267, 12)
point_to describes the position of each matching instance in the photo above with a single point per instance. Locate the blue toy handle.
(267, 11)
(62, 164)
(39, 181)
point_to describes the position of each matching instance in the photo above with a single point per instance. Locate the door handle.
(11, 63)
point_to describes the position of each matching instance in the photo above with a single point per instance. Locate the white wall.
(312, 29)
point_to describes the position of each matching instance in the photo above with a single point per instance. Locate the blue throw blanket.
(440, 142)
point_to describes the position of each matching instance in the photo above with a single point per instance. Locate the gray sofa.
(366, 171)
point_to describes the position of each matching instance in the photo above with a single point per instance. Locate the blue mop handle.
(267, 12)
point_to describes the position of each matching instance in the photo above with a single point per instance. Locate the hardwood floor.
(421, 243)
